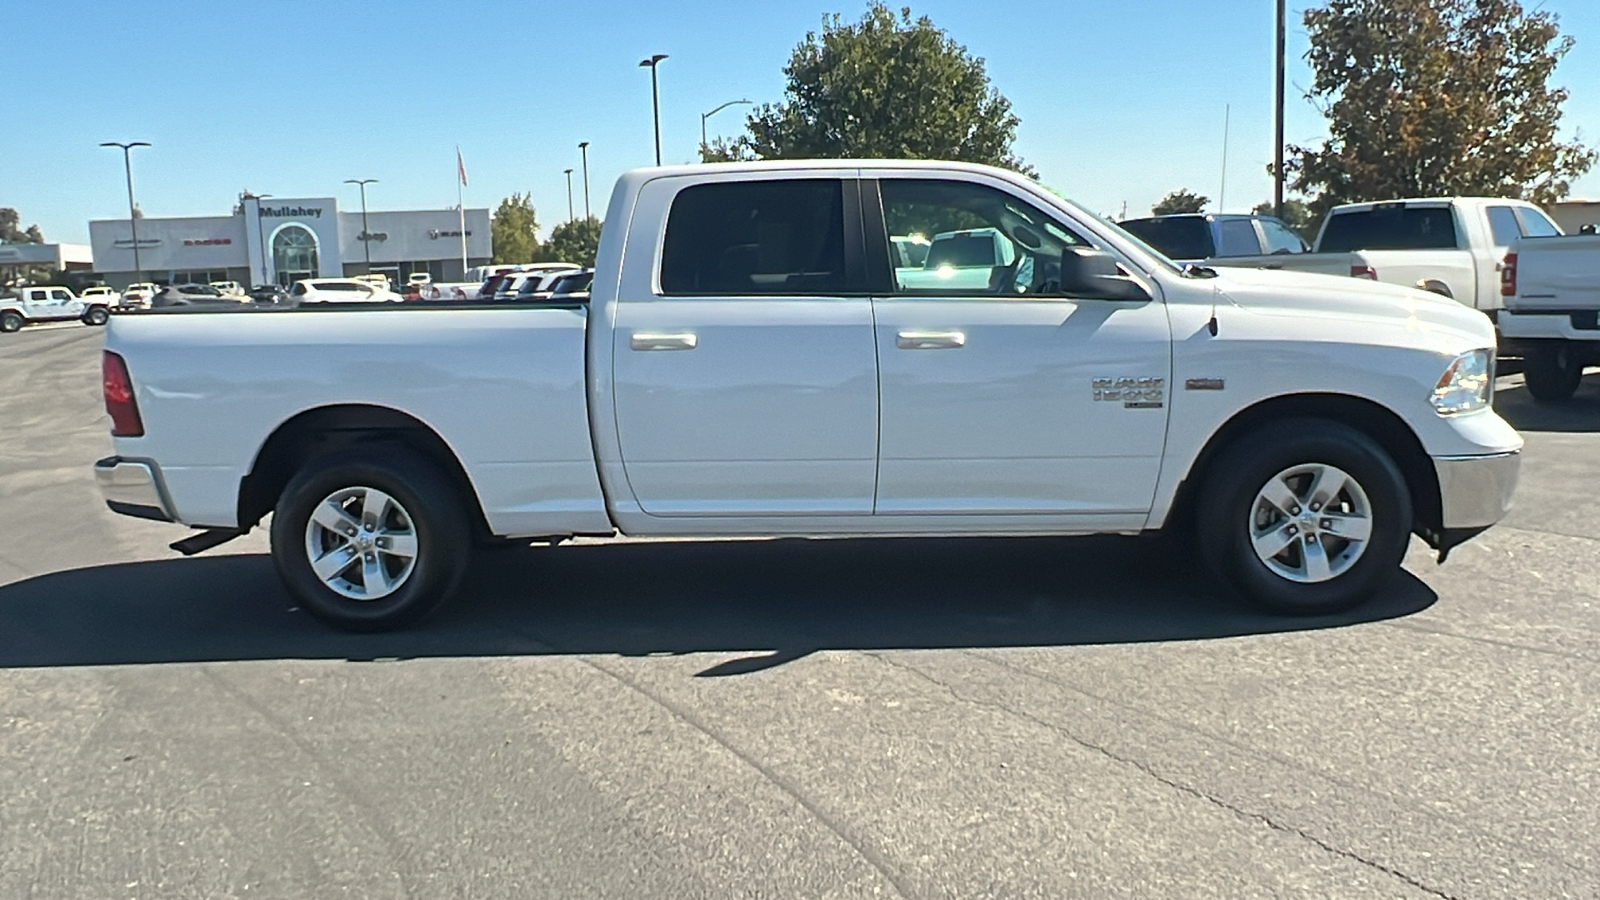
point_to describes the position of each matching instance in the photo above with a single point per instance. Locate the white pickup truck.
(33, 305)
(1552, 311)
(752, 362)
(1454, 247)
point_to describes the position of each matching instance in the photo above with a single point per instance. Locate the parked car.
(339, 290)
(419, 278)
(1203, 237)
(539, 285)
(375, 279)
(139, 294)
(269, 295)
(33, 305)
(229, 288)
(193, 295)
(1551, 286)
(1453, 247)
(573, 287)
(100, 293)
(744, 369)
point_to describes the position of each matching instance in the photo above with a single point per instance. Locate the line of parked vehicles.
(1505, 258)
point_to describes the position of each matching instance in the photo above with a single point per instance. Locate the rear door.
(1008, 396)
(743, 366)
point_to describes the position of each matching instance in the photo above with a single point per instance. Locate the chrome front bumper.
(133, 487)
(1475, 491)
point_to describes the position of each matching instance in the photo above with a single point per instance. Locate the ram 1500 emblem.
(1132, 392)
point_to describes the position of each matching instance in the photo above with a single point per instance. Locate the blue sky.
(1119, 102)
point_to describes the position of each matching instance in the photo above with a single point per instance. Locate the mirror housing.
(1094, 275)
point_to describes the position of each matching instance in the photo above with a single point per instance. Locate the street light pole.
(366, 236)
(655, 97)
(570, 214)
(1277, 165)
(704, 142)
(133, 218)
(261, 236)
(584, 148)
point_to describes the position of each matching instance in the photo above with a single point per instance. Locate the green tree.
(1436, 97)
(1297, 214)
(574, 242)
(514, 230)
(1180, 201)
(888, 86)
(12, 232)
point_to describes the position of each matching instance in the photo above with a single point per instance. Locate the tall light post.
(655, 96)
(366, 236)
(704, 116)
(133, 216)
(261, 235)
(570, 214)
(1277, 165)
(583, 147)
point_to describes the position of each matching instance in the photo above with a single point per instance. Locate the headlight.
(1467, 385)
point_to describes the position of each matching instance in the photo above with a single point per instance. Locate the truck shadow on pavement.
(1580, 415)
(771, 601)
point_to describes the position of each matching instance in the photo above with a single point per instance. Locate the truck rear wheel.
(371, 539)
(1553, 371)
(10, 321)
(1304, 516)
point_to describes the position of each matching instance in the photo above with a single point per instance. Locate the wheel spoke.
(375, 508)
(399, 543)
(1273, 542)
(332, 516)
(1351, 528)
(1317, 566)
(374, 576)
(1325, 487)
(332, 564)
(1277, 493)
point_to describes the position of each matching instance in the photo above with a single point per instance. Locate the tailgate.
(1557, 273)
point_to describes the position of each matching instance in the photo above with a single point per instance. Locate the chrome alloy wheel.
(1311, 523)
(361, 542)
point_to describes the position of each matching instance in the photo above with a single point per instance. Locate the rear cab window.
(755, 238)
(1390, 227)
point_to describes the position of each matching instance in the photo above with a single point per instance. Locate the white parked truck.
(1552, 311)
(1454, 247)
(750, 363)
(33, 305)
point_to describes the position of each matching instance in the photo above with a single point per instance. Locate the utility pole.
(1277, 164)
(583, 147)
(655, 96)
(133, 215)
(1222, 195)
(570, 214)
(366, 236)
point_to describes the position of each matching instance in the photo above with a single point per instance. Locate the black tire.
(10, 322)
(96, 316)
(1553, 371)
(438, 520)
(1228, 511)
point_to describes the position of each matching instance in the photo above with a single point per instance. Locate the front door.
(745, 377)
(1001, 394)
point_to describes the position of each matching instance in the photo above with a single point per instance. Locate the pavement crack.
(1179, 786)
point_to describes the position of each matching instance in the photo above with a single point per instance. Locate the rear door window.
(1390, 227)
(1503, 225)
(756, 238)
(1237, 237)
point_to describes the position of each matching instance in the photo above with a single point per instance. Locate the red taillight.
(1508, 276)
(1367, 272)
(123, 409)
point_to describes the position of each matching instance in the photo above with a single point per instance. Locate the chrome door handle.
(652, 341)
(930, 340)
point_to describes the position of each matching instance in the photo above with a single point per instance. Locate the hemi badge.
(1205, 384)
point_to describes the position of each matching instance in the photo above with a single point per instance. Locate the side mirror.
(1094, 275)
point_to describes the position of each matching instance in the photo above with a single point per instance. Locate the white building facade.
(279, 241)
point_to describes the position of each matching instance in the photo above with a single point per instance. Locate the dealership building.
(277, 241)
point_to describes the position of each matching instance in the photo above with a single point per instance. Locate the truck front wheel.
(371, 539)
(1304, 516)
(1553, 371)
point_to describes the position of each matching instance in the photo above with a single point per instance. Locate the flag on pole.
(461, 167)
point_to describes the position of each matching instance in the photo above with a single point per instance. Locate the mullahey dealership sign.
(291, 212)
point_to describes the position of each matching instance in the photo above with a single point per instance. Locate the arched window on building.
(294, 253)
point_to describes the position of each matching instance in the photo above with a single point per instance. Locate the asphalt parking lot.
(920, 718)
